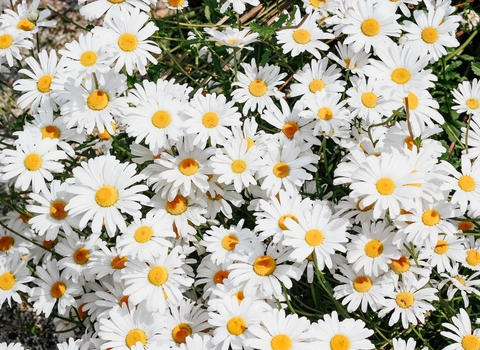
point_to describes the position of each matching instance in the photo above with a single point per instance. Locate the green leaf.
(262, 31)
(265, 56)
(476, 68)
(208, 14)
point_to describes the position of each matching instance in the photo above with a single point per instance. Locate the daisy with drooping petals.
(348, 59)
(464, 284)
(233, 37)
(104, 187)
(461, 333)
(257, 86)
(14, 275)
(467, 97)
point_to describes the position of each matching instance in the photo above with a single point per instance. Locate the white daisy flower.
(233, 37)
(348, 59)
(175, 4)
(467, 97)
(104, 187)
(200, 341)
(472, 246)
(447, 249)
(400, 344)
(423, 111)
(14, 276)
(464, 284)
(211, 274)
(11, 41)
(27, 18)
(96, 9)
(238, 5)
(461, 333)
(107, 262)
(471, 139)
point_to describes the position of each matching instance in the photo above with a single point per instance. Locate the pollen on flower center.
(302, 36)
(374, 248)
(158, 275)
(369, 99)
(7, 281)
(281, 342)
(401, 76)
(236, 325)
(176, 3)
(362, 284)
(316, 85)
(264, 265)
(465, 225)
(470, 342)
(289, 129)
(219, 276)
(281, 170)
(44, 83)
(127, 42)
(116, 1)
(178, 205)
(161, 119)
(181, 332)
(118, 262)
(404, 300)
(58, 290)
(370, 27)
(409, 142)
(210, 120)
(318, 3)
(97, 100)
(339, 342)
(6, 41)
(81, 256)
(57, 210)
(431, 217)
(473, 257)
(50, 131)
(472, 103)
(188, 166)
(466, 183)
(281, 221)
(257, 88)
(412, 101)
(6, 242)
(401, 265)
(385, 186)
(88, 58)
(135, 336)
(229, 242)
(239, 166)
(33, 162)
(441, 247)
(143, 234)
(325, 113)
(106, 196)
(314, 237)
(25, 24)
(430, 35)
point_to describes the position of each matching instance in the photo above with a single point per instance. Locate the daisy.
(400, 344)
(32, 162)
(446, 250)
(28, 18)
(423, 111)
(210, 118)
(472, 245)
(211, 274)
(461, 333)
(306, 36)
(471, 136)
(332, 334)
(257, 86)
(279, 331)
(144, 238)
(238, 5)
(128, 34)
(370, 25)
(201, 341)
(467, 97)
(348, 59)
(96, 9)
(464, 284)
(104, 187)
(11, 41)
(11, 346)
(14, 276)
(411, 301)
(233, 37)
(107, 261)
(432, 32)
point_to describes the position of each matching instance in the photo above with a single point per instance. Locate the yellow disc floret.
(302, 36)
(236, 325)
(257, 88)
(210, 120)
(135, 336)
(158, 275)
(127, 42)
(143, 234)
(7, 281)
(362, 284)
(57, 210)
(314, 237)
(264, 265)
(88, 58)
(188, 166)
(430, 35)
(33, 162)
(44, 83)
(373, 248)
(281, 342)
(370, 27)
(97, 100)
(404, 300)
(106, 196)
(339, 342)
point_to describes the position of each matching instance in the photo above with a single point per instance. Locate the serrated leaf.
(466, 57)
(265, 56)
(262, 31)
(476, 68)
(279, 23)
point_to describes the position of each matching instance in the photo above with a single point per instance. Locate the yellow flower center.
(385, 186)
(412, 101)
(362, 284)
(106, 196)
(401, 76)
(51, 132)
(240, 296)
(6, 242)
(281, 342)
(44, 83)
(6, 41)
(135, 336)
(239, 166)
(473, 257)
(58, 290)
(105, 135)
(25, 24)
(470, 342)
(401, 265)
(374, 248)
(188, 166)
(81, 256)
(161, 119)
(118, 262)
(176, 3)
(369, 99)
(281, 221)
(370, 27)
(219, 276)
(264, 265)
(314, 237)
(236, 325)
(116, 1)
(430, 35)
(88, 58)
(316, 85)
(7, 281)
(143, 234)
(33, 162)
(302, 36)
(229, 242)
(431, 217)
(289, 129)
(441, 247)
(178, 205)
(318, 3)
(181, 332)
(210, 120)
(325, 113)
(409, 142)
(466, 183)
(404, 300)
(57, 210)
(472, 103)
(465, 225)
(339, 342)
(97, 100)
(257, 88)
(127, 42)
(281, 170)
(49, 244)
(158, 275)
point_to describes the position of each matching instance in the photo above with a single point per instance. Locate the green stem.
(466, 133)
(461, 47)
